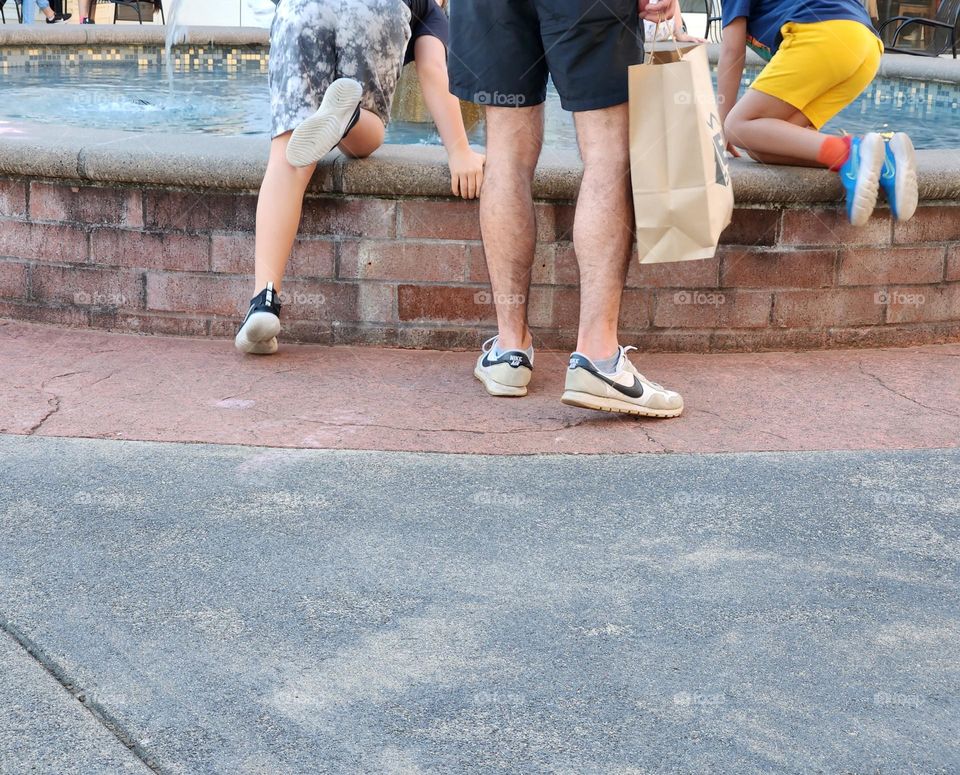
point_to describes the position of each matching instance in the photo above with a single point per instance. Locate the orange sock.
(834, 152)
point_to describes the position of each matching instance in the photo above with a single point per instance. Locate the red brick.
(316, 300)
(408, 261)
(826, 307)
(377, 302)
(43, 242)
(445, 304)
(809, 226)
(752, 226)
(953, 264)
(761, 339)
(13, 280)
(554, 221)
(891, 335)
(170, 250)
(937, 223)
(147, 323)
(199, 211)
(557, 308)
(425, 219)
(338, 217)
(777, 268)
(711, 308)
(42, 313)
(673, 274)
(87, 287)
(198, 294)
(13, 198)
(880, 266)
(923, 303)
(86, 204)
(234, 254)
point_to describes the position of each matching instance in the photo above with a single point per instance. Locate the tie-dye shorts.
(314, 42)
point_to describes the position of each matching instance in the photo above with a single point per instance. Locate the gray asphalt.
(210, 609)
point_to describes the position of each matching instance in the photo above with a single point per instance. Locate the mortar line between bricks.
(100, 714)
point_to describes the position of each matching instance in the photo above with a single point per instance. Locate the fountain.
(175, 35)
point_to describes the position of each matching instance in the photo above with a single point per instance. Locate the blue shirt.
(766, 17)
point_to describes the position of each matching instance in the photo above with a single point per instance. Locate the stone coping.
(892, 65)
(238, 162)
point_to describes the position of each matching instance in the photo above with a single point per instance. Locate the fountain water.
(175, 35)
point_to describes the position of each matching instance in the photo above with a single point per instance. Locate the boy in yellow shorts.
(821, 55)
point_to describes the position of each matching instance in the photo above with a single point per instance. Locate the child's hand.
(466, 173)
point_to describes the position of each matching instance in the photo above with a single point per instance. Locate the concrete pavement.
(246, 610)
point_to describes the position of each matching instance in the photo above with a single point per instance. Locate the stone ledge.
(236, 163)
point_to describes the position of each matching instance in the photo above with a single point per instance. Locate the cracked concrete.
(62, 382)
(199, 608)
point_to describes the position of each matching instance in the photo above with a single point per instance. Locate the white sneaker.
(258, 332)
(506, 375)
(625, 390)
(324, 130)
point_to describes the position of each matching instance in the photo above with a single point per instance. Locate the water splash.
(175, 36)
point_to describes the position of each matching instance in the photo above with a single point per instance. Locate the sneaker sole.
(590, 401)
(323, 131)
(498, 389)
(872, 153)
(259, 334)
(905, 183)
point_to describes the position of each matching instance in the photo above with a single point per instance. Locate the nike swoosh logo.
(633, 391)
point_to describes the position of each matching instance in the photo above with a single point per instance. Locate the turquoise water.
(220, 102)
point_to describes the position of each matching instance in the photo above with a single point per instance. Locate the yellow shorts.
(821, 67)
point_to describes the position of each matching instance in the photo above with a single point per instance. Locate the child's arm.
(466, 165)
(733, 54)
(678, 32)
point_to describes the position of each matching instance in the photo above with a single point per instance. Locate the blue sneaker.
(860, 175)
(899, 176)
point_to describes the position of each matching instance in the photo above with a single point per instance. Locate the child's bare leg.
(278, 213)
(365, 137)
(764, 126)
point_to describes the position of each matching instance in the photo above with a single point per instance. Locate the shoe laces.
(488, 345)
(650, 382)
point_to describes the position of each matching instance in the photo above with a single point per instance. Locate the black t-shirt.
(426, 18)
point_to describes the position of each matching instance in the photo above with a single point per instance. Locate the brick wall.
(411, 272)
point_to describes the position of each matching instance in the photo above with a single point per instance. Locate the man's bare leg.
(603, 226)
(507, 221)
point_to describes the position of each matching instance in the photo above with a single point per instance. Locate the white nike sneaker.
(626, 390)
(506, 375)
(323, 131)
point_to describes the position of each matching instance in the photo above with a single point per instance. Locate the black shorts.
(502, 51)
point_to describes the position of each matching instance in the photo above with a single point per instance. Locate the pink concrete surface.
(63, 382)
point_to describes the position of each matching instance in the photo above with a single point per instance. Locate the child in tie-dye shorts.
(334, 67)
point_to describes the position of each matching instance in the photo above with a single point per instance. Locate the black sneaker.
(87, 21)
(258, 332)
(60, 17)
